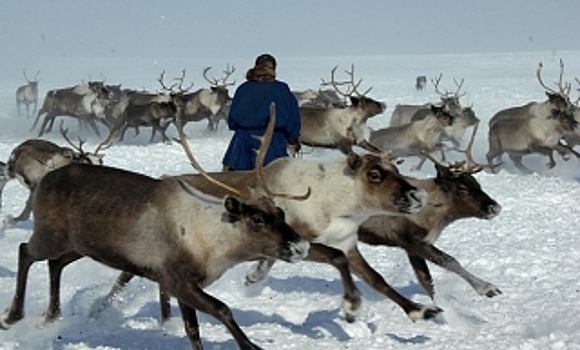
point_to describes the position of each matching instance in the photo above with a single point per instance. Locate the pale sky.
(73, 28)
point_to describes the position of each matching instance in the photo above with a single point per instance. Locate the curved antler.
(64, 131)
(353, 86)
(261, 155)
(195, 164)
(215, 82)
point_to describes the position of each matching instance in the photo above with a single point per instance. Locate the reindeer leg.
(25, 214)
(415, 311)
(519, 165)
(164, 304)
(55, 267)
(191, 325)
(436, 256)
(351, 300)
(16, 311)
(259, 271)
(102, 303)
(190, 294)
(94, 126)
(423, 274)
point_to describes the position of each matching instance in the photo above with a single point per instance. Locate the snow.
(530, 251)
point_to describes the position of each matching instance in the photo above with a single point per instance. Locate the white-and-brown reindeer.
(454, 194)
(413, 139)
(33, 158)
(161, 229)
(537, 127)
(28, 94)
(340, 128)
(344, 193)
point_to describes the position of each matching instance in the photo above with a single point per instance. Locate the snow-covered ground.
(530, 251)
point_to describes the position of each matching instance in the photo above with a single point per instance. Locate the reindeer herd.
(293, 209)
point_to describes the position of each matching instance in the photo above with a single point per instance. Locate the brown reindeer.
(33, 158)
(161, 229)
(453, 194)
(340, 128)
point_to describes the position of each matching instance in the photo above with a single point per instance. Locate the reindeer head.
(560, 104)
(78, 155)
(358, 100)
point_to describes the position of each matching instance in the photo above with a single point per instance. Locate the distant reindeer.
(537, 127)
(28, 94)
(320, 98)
(420, 82)
(416, 138)
(341, 128)
(86, 103)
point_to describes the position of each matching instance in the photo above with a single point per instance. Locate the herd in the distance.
(291, 209)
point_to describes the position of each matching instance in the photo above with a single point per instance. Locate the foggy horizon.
(34, 30)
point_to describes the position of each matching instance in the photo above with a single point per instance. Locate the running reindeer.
(32, 159)
(161, 229)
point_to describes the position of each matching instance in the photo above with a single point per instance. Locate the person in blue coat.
(250, 112)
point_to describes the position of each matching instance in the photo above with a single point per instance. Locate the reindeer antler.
(215, 82)
(261, 155)
(353, 86)
(64, 133)
(178, 84)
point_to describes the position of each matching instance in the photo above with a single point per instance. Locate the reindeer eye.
(463, 190)
(375, 175)
(257, 219)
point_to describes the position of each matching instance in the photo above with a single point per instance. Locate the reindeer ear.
(435, 109)
(443, 172)
(354, 101)
(68, 153)
(233, 205)
(354, 161)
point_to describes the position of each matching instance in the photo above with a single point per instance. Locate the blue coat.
(249, 115)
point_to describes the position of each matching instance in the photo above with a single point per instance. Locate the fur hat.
(265, 58)
(264, 69)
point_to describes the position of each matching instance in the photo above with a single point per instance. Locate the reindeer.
(340, 128)
(537, 127)
(28, 94)
(33, 158)
(85, 104)
(420, 82)
(403, 114)
(344, 193)
(453, 194)
(209, 103)
(196, 237)
(413, 139)
(155, 114)
(320, 98)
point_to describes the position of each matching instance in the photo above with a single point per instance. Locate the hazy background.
(39, 29)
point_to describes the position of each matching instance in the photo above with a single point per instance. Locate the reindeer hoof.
(352, 307)
(489, 291)
(424, 312)
(7, 320)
